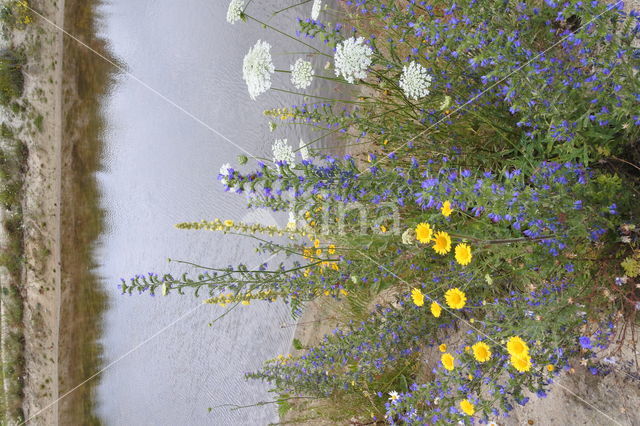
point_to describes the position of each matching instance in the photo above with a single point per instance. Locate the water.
(164, 364)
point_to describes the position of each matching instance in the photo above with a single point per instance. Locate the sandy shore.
(41, 207)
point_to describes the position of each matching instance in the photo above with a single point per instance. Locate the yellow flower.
(228, 222)
(522, 363)
(456, 299)
(318, 252)
(481, 352)
(332, 249)
(463, 254)
(383, 229)
(442, 243)
(246, 302)
(436, 310)
(550, 368)
(417, 296)
(446, 209)
(467, 407)
(344, 292)
(316, 243)
(424, 233)
(448, 361)
(517, 347)
(442, 348)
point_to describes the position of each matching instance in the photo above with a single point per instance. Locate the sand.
(41, 208)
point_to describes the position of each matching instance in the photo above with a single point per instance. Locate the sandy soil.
(41, 208)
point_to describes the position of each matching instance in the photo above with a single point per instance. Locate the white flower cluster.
(304, 150)
(415, 81)
(257, 68)
(235, 10)
(224, 173)
(301, 74)
(282, 151)
(315, 9)
(352, 59)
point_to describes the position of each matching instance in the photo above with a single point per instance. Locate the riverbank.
(38, 125)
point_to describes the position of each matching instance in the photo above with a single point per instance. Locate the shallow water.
(164, 364)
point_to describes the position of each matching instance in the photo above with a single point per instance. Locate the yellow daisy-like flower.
(246, 302)
(522, 363)
(228, 222)
(417, 296)
(463, 254)
(550, 367)
(481, 352)
(436, 309)
(467, 407)
(456, 299)
(316, 243)
(448, 361)
(446, 209)
(424, 233)
(442, 243)
(517, 347)
(442, 347)
(383, 229)
(332, 249)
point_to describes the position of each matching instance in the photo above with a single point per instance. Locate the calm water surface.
(160, 168)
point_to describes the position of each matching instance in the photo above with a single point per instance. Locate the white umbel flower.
(235, 11)
(415, 81)
(304, 150)
(301, 74)
(282, 151)
(257, 68)
(315, 9)
(224, 173)
(352, 59)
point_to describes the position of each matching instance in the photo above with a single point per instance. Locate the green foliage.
(11, 77)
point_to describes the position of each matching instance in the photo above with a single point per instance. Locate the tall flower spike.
(415, 81)
(352, 59)
(315, 9)
(301, 74)
(257, 68)
(235, 11)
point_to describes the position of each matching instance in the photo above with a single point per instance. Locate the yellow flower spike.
(442, 243)
(463, 254)
(446, 209)
(442, 347)
(424, 233)
(467, 407)
(436, 309)
(481, 352)
(456, 299)
(448, 361)
(417, 297)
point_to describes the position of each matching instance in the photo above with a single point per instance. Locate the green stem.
(286, 35)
